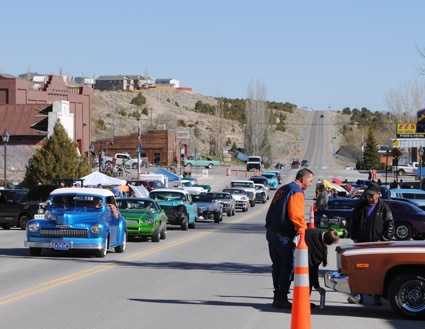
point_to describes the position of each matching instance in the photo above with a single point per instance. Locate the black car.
(208, 207)
(304, 163)
(10, 206)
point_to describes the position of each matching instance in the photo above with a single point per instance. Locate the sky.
(316, 54)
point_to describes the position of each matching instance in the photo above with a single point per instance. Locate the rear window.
(254, 159)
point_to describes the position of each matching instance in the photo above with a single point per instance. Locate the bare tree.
(421, 53)
(258, 126)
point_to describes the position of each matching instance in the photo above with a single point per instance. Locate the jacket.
(286, 212)
(382, 227)
(317, 253)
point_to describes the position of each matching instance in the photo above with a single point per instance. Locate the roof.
(407, 190)
(18, 119)
(83, 191)
(7, 76)
(111, 77)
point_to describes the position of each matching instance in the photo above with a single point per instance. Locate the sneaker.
(354, 300)
(282, 304)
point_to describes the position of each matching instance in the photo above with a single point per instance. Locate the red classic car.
(394, 270)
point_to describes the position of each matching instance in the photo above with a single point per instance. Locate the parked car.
(261, 194)
(240, 195)
(144, 218)
(304, 163)
(10, 207)
(206, 187)
(409, 193)
(394, 270)
(148, 184)
(261, 180)
(295, 164)
(178, 207)
(208, 207)
(226, 200)
(278, 175)
(272, 179)
(78, 218)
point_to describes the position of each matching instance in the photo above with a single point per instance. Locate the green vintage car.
(178, 206)
(144, 218)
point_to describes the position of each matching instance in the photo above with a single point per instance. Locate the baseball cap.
(373, 188)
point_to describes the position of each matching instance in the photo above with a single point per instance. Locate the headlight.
(33, 227)
(150, 220)
(96, 229)
(343, 222)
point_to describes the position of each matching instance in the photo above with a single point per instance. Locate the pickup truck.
(406, 169)
(207, 163)
(254, 162)
(122, 159)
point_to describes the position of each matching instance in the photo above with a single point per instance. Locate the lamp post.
(100, 156)
(386, 166)
(91, 150)
(421, 154)
(5, 138)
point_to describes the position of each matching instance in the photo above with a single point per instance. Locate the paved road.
(215, 276)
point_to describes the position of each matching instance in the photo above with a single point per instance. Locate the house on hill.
(168, 82)
(124, 82)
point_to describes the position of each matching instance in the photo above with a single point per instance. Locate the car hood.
(136, 213)
(76, 216)
(173, 203)
(209, 205)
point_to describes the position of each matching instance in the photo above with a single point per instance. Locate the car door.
(191, 207)
(112, 220)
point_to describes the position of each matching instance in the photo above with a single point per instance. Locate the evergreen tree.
(370, 154)
(58, 158)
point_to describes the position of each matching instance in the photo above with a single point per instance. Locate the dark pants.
(281, 249)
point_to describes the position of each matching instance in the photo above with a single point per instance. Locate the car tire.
(102, 252)
(35, 251)
(163, 234)
(252, 203)
(185, 224)
(264, 201)
(189, 165)
(108, 163)
(401, 172)
(403, 231)
(216, 217)
(234, 212)
(244, 209)
(121, 248)
(134, 166)
(210, 166)
(229, 213)
(23, 220)
(156, 236)
(403, 294)
(192, 225)
(5, 227)
(344, 234)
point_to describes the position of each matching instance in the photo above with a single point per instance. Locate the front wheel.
(23, 220)
(252, 203)
(156, 236)
(102, 252)
(401, 172)
(120, 249)
(217, 218)
(185, 225)
(163, 234)
(233, 212)
(403, 231)
(407, 295)
(229, 213)
(134, 166)
(210, 166)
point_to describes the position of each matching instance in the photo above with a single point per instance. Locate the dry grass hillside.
(172, 108)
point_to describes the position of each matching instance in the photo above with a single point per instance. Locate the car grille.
(171, 212)
(63, 233)
(240, 203)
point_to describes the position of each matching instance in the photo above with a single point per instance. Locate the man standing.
(284, 218)
(322, 198)
(371, 221)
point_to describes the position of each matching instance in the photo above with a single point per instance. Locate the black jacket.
(382, 228)
(316, 254)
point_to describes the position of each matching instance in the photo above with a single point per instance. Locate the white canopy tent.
(96, 178)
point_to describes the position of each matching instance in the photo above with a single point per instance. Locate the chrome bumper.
(49, 245)
(337, 281)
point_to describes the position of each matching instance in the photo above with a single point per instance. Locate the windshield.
(156, 184)
(187, 184)
(202, 198)
(138, 204)
(254, 159)
(242, 184)
(75, 201)
(269, 175)
(167, 196)
(236, 192)
(18, 195)
(220, 196)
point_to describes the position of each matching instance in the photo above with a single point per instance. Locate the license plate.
(132, 221)
(39, 216)
(61, 245)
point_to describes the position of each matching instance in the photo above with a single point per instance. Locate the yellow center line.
(103, 267)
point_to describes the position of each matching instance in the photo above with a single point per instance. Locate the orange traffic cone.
(227, 171)
(246, 173)
(237, 172)
(301, 313)
(255, 172)
(311, 221)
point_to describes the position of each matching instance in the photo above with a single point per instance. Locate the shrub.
(176, 104)
(145, 111)
(139, 100)
(181, 123)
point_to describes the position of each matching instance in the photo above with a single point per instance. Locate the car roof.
(240, 181)
(170, 190)
(84, 191)
(407, 190)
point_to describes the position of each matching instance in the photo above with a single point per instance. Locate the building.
(85, 81)
(168, 82)
(25, 107)
(124, 82)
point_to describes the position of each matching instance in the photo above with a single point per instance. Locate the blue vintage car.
(78, 218)
(272, 179)
(178, 206)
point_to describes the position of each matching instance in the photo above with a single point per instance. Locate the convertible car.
(144, 218)
(78, 218)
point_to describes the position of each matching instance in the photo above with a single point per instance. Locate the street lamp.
(91, 150)
(386, 166)
(5, 138)
(421, 154)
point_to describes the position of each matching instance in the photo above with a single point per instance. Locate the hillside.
(172, 107)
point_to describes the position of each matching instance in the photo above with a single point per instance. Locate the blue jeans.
(282, 254)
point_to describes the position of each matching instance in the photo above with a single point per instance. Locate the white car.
(188, 185)
(248, 186)
(239, 194)
(261, 193)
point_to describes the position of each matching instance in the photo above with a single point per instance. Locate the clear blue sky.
(311, 53)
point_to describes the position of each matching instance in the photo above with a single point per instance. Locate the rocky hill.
(175, 109)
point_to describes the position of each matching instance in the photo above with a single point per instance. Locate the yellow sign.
(395, 143)
(406, 128)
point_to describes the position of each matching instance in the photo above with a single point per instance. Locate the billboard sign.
(182, 134)
(409, 130)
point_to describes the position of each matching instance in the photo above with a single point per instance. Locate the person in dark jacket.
(371, 221)
(283, 220)
(318, 242)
